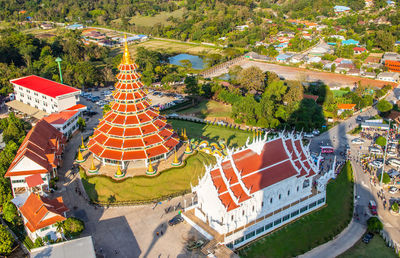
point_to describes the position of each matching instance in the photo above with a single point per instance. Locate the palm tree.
(59, 228)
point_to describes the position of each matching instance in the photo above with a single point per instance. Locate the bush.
(73, 226)
(374, 224)
(395, 207)
(6, 241)
(381, 141)
(38, 242)
(386, 178)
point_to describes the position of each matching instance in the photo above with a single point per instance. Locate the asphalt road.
(364, 190)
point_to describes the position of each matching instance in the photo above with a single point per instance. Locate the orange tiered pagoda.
(132, 133)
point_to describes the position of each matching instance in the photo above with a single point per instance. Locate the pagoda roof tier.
(141, 142)
(137, 95)
(129, 85)
(120, 119)
(127, 67)
(130, 107)
(114, 154)
(133, 76)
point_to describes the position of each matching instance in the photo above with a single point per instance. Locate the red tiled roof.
(60, 117)
(43, 139)
(258, 171)
(34, 180)
(44, 86)
(77, 107)
(36, 208)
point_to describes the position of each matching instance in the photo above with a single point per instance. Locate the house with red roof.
(40, 216)
(359, 50)
(44, 94)
(39, 154)
(258, 188)
(65, 121)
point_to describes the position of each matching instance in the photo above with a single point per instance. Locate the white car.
(391, 154)
(316, 132)
(357, 141)
(375, 150)
(376, 163)
(309, 135)
(393, 190)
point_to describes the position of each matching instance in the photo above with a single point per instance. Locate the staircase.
(209, 247)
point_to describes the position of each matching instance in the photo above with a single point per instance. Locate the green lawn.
(375, 248)
(162, 17)
(233, 137)
(143, 188)
(208, 109)
(311, 230)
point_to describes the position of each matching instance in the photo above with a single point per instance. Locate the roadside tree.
(384, 106)
(381, 141)
(374, 224)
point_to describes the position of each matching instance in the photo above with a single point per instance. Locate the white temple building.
(257, 189)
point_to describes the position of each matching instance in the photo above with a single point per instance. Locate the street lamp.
(58, 60)
(384, 154)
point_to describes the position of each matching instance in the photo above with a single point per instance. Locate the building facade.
(40, 216)
(44, 94)
(132, 133)
(258, 188)
(40, 153)
(65, 121)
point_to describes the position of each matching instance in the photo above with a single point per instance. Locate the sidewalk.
(341, 243)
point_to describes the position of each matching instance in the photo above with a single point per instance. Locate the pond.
(196, 61)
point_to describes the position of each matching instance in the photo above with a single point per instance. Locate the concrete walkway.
(340, 243)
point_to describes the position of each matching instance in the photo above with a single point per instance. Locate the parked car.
(316, 132)
(391, 154)
(393, 190)
(367, 237)
(175, 220)
(375, 150)
(372, 207)
(357, 141)
(309, 135)
(359, 119)
(394, 162)
(376, 164)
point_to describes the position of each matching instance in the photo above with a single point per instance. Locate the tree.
(81, 123)
(10, 212)
(6, 241)
(395, 207)
(374, 224)
(381, 141)
(73, 226)
(384, 40)
(191, 85)
(106, 108)
(38, 242)
(295, 92)
(251, 78)
(384, 106)
(386, 178)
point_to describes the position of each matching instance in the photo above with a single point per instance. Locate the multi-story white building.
(39, 154)
(44, 94)
(257, 189)
(64, 121)
(41, 215)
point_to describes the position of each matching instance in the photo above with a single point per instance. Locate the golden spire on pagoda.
(176, 161)
(92, 167)
(150, 168)
(119, 172)
(126, 58)
(82, 145)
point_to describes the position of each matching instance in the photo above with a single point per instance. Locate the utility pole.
(384, 154)
(58, 60)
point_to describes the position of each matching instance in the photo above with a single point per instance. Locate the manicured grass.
(232, 137)
(311, 230)
(375, 248)
(143, 188)
(162, 17)
(208, 109)
(171, 46)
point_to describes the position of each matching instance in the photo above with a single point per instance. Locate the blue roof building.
(350, 42)
(283, 57)
(75, 26)
(341, 9)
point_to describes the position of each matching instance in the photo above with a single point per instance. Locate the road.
(364, 191)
